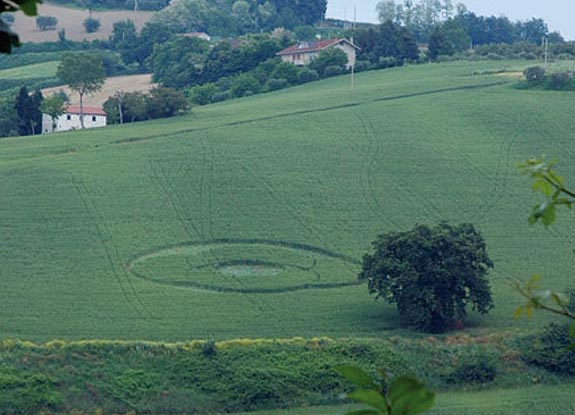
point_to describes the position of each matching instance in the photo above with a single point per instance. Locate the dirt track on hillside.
(72, 21)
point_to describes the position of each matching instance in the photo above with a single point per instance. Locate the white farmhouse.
(70, 120)
(303, 53)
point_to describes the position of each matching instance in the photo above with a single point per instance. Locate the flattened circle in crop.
(246, 266)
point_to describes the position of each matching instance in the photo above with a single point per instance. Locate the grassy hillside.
(38, 70)
(248, 218)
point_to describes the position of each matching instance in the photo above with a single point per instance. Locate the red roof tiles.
(75, 109)
(316, 46)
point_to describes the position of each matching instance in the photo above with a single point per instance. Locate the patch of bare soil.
(71, 20)
(132, 83)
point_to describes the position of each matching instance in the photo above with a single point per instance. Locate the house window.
(93, 118)
(68, 117)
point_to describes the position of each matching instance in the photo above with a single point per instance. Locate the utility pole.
(546, 50)
(136, 12)
(353, 43)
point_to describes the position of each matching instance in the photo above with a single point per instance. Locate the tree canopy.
(430, 274)
(83, 73)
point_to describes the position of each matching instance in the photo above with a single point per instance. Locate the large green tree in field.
(430, 274)
(83, 73)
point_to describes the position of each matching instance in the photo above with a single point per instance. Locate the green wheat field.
(249, 218)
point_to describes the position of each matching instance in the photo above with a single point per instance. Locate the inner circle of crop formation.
(246, 266)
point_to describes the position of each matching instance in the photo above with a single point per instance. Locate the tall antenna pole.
(354, 52)
(136, 12)
(546, 50)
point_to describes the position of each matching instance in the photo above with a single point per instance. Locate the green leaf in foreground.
(409, 396)
(357, 376)
(404, 395)
(364, 412)
(369, 397)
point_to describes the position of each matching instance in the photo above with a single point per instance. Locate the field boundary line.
(132, 140)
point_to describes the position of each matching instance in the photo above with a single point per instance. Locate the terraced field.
(249, 218)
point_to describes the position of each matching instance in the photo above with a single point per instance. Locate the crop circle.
(246, 266)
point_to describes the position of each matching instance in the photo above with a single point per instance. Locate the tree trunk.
(81, 110)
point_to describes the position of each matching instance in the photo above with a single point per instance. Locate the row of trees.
(269, 75)
(184, 61)
(386, 41)
(466, 31)
(538, 77)
(424, 16)
(22, 114)
(118, 4)
(160, 102)
(233, 17)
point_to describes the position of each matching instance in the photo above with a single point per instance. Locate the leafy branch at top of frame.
(402, 395)
(550, 184)
(9, 39)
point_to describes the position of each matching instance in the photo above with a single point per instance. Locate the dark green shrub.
(552, 350)
(527, 56)
(307, 75)
(332, 70)
(203, 94)
(275, 84)
(480, 372)
(535, 75)
(327, 58)
(560, 80)
(209, 349)
(221, 96)
(386, 62)
(245, 85)
(46, 22)
(24, 393)
(162, 102)
(91, 25)
(287, 71)
(495, 57)
(362, 66)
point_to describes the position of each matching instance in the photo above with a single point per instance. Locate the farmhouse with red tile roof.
(70, 120)
(303, 53)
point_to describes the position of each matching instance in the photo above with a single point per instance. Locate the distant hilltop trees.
(222, 16)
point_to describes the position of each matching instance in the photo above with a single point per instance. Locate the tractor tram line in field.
(110, 249)
(195, 234)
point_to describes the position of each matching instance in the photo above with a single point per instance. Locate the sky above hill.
(559, 14)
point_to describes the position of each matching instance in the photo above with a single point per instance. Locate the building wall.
(303, 59)
(68, 122)
(300, 59)
(349, 51)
